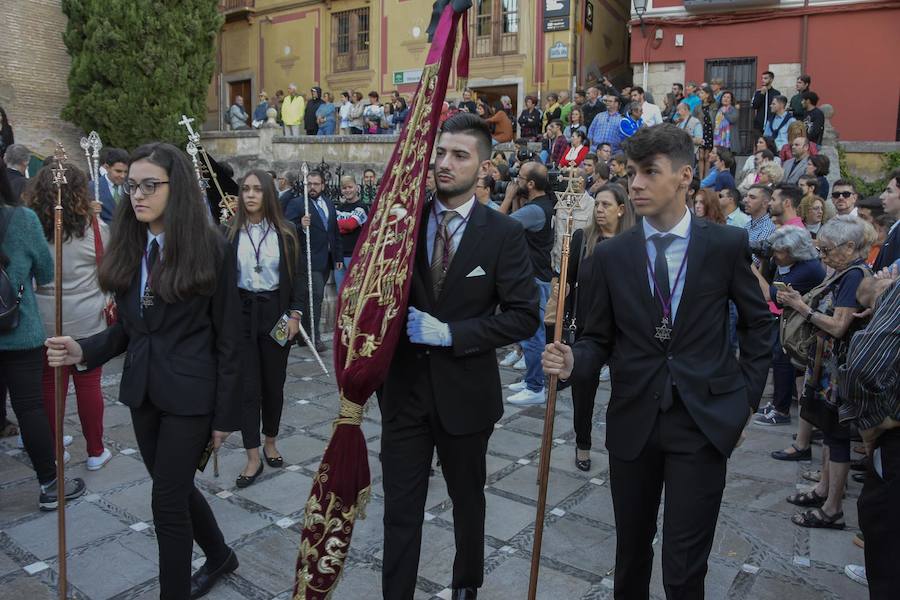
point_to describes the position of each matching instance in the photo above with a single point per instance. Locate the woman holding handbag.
(84, 304)
(613, 214)
(271, 281)
(178, 324)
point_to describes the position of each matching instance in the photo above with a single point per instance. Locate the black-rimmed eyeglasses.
(147, 186)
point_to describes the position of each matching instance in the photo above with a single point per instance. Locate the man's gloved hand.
(422, 328)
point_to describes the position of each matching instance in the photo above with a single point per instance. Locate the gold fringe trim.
(462, 83)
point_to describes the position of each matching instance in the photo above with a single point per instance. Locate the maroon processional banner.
(370, 314)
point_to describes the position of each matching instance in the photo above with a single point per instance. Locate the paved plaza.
(757, 554)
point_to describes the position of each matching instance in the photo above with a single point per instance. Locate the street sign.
(409, 76)
(556, 15)
(559, 51)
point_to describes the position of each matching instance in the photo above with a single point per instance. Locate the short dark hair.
(473, 125)
(790, 191)
(726, 156)
(665, 139)
(316, 173)
(601, 170)
(767, 154)
(552, 96)
(373, 94)
(116, 155)
(805, 79)
(810, 180)
(556, 122)
(765, 189)
(591, 156)
(822, 164)
(605, 144)
(845, 183)
(782, 99)
(638, 89)
(895, 176)
(372, 171)
(734, 194)
(680, 86)
(619, 157)
(580, 93)
(769, 73)
(811, 96)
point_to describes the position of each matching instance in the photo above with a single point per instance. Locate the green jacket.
(29, 261)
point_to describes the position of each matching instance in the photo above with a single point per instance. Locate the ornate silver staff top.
(91, 146)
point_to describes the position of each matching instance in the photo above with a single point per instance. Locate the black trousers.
(318, 292)
(22, 371)
(171, 446)
(583, 395)
(680, 457)
(407, 446)
(880, 522)
(265, 364)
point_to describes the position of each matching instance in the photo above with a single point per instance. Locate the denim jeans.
(339, 275)
(534, 346)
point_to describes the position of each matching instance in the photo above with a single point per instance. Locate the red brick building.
(851, 49)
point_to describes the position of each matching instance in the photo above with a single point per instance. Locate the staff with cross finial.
(228, 202)
(59, 180)
(304, 170)
(569, 201)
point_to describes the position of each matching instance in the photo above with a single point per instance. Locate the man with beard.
(658, 313)
(443, 385)
(326, 251)
(532, 187)
(309, 116)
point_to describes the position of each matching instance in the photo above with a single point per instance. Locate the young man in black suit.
(443, 387)
(680, 399)
(325, 247)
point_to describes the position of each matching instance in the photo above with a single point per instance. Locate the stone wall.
(34, 68)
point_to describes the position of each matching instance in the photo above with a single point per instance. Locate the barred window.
(350, 40)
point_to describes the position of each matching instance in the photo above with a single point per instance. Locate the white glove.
(422, 328)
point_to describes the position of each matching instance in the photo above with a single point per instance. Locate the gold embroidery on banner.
(332, 527)
(377, 274)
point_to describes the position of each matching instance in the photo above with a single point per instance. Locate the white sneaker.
(857, 573)
(520, 364)
(67, 441)
(95, 463)
(510, 359)
(526, 397)
(604, 373)
(517, 386)
(66, 457)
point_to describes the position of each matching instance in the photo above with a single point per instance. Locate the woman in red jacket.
(577, 151)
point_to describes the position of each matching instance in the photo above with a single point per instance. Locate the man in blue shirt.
(605, 126)
(779, 120)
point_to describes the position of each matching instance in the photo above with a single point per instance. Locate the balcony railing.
(228, 6)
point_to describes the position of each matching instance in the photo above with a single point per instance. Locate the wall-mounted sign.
(556, 15)
(559, 51)
(589, 15)
(410, 76)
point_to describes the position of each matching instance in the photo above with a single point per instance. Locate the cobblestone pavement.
(757, 554)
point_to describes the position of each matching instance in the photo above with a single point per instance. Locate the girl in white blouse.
(272, 283)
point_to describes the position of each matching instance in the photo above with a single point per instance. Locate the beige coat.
(83, 301)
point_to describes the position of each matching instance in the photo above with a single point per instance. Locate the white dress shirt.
(675, 253)
(269, 258)
(651, 114)
(456, 227)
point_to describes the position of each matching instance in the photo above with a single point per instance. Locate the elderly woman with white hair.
(843, 242)
(795, 262)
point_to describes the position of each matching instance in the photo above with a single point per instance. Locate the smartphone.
(781, 286)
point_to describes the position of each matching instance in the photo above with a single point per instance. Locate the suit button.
(670, 357)
(428, 353)
(656, 396)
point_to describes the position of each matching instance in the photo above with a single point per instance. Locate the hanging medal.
(664, 330)
(257, 248)
(147, 297)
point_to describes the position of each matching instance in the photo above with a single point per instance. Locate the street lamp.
(640, 7)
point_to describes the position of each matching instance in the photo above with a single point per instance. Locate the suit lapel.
(637, 262)
(131, 305)
(468, 245)
(696, 254)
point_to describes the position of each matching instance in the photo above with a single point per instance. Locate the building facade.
(848, 47)
(517, 47)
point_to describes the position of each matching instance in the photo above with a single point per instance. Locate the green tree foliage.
(865, 188)
(138, 65)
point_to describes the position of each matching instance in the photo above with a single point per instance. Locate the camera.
(762, 249)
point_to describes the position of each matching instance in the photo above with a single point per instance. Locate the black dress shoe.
(582, 464)
(466, 593)
(247, 480)
(203, 580)
(276, 462)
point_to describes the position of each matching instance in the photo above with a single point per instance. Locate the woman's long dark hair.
(592, 232)
(192, 249)
(40, 196)
(271, 212)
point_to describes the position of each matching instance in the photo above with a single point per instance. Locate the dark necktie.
(661, 269)
(152, 256)
(442, 252)
(660, 265)
(148, 301)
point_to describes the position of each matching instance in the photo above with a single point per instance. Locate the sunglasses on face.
(836, 195)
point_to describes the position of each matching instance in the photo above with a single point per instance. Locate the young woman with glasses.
(175, 284)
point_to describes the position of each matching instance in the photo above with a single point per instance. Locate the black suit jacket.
(621, 316)
(17, 183)
(324, 244)
(292, 289)
(185, 359)
(465, 378)
(890, 251)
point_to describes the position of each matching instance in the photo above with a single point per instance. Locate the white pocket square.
(477, 272)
